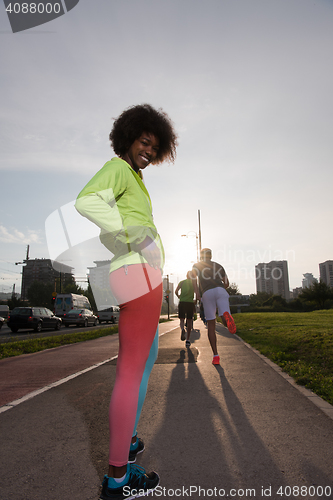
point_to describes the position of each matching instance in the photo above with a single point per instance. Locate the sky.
(248, 86)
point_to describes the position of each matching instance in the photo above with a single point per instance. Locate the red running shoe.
(216, 360)
(230, 322)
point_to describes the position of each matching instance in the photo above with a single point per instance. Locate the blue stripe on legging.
(145, 377)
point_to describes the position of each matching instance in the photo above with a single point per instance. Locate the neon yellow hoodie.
(117, 201)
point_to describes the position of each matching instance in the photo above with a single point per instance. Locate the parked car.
(111, 314)
(2, 320)
(79, 317)
(32, 318)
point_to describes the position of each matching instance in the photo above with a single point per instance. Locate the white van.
(64, 302)
(4, 311)
(110, 314)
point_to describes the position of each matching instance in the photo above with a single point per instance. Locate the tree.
(73, 288)
(65, 284)
(257, 300)
(277, 302)
(319, 293)
(15, 302)
(40, 294)
(233, 289)
(89, 293)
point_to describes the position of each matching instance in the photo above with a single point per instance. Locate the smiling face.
(142, 152)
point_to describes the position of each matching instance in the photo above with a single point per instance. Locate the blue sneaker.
(137, 484)
(135, 451)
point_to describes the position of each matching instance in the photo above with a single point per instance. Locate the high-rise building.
(272, 277)
(43, 270)
(99, 275)
(295, 293)
(99, 282)
(326, 272)
(308, 280)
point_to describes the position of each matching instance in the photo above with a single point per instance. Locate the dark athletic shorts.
(185, 310)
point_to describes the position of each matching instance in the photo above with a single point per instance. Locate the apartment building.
(43, 270)
(295, 293)
(99, 282)
(326, 272)
(273, 278)
(99, 274)
(308, 280)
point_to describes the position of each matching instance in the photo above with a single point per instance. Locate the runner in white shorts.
(213, 282)
(215, 298)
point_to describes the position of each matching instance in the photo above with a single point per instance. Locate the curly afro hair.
(135, 120)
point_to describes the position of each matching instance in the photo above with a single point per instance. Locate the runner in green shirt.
(186, 306)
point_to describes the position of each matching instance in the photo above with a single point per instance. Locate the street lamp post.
(167, 294)
(197, 237)
(199, 231)
(196, 241)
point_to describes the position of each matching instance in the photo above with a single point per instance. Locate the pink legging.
(138, 321)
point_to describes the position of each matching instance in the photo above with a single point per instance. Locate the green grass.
(301, 343)
(29, 346)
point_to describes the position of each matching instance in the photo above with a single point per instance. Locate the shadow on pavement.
(205, 438)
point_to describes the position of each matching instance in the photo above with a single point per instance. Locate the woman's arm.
(97, 200)
(101, 209)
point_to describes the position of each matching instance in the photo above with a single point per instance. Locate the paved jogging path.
(240, 430)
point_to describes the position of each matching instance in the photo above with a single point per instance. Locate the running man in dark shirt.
(213, 282)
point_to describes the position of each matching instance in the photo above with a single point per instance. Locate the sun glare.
(181, 255)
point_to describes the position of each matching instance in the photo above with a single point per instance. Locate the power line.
(8, 271)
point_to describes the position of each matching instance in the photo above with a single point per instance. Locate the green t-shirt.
(187, 291)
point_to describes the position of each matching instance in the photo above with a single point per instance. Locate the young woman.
(117, 200)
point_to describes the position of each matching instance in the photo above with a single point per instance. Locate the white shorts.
(215, 298)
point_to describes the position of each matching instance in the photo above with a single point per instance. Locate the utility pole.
(167, 292)
(199, 231)
(24, 262)
(26, 259)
